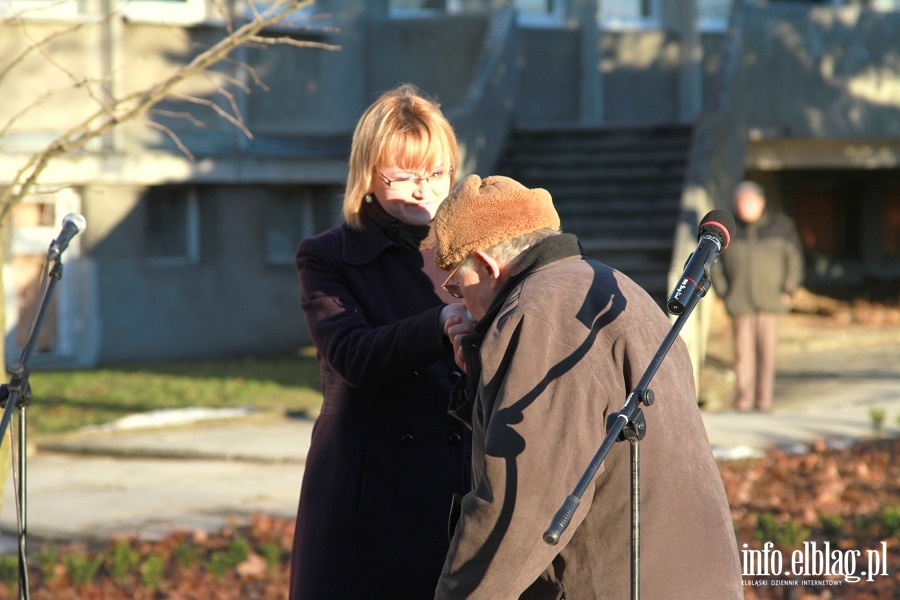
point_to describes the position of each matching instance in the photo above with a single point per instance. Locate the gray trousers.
(755, 341)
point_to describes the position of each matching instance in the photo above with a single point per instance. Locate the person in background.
(757, 277)
(385, 459)
(560, 342)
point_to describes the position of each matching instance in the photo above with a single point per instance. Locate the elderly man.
(560, 341)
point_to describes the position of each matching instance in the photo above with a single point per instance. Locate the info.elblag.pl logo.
(815, 559)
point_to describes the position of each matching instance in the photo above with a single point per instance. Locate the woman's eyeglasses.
(410, 182)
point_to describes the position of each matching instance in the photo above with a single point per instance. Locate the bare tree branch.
(178, 115)
(257, 80)
(130, 107)
(77, 82)
(234, 80)
(38, 102)
(43, 42)
(235, 119)
(172, 136)
(270, 41)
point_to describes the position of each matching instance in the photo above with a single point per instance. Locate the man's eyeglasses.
(409, 183)
(452, 288)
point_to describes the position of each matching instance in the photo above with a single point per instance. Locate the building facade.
(192, 223)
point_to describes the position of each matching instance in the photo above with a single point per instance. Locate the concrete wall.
(437, 54)
(822, 72)
(234, 300)
(40, 96)
(640, 77)
(548, 82)
(289, 100)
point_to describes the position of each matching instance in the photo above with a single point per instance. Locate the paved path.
(153, 482)
(91, 486)
(817, 395)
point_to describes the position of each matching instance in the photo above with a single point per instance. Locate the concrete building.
(638, 115)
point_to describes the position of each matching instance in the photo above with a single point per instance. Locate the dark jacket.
(562, 346)
(385, 458)
(763, 261)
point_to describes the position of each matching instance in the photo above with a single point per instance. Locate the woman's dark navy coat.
(385, 458)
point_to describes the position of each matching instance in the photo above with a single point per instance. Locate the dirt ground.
(817, 323)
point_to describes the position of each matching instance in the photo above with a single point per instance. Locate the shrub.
(890, 519)
(82, 567)
(832, 527)
(152, 571)
(123, 560)
(9, 570)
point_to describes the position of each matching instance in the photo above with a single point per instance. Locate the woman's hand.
(456, 323)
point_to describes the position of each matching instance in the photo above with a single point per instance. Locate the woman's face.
(411, 197)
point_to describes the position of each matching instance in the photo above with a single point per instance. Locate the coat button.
(406, 439)
(411, 377)
(454, 439)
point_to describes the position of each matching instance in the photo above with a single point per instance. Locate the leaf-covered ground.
(841, 506)
(837, 512)
(239, 563)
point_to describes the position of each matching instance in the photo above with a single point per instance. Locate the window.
(34, 225)
(156, 11)
(712, 15)
(182, 12)
(40, 10)
(172, 234)
(539, 12)
(35, 222)
(629, 14)
(417, 8)
(292, 215)
(310, 17)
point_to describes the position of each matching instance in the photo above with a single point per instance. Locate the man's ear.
(488, 261)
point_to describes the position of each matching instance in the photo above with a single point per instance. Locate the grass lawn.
(65, 401)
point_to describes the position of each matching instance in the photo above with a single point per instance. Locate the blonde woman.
(385, 458)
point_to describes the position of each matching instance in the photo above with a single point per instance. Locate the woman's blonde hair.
(405, 129)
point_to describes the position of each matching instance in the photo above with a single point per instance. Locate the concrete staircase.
(617, 188)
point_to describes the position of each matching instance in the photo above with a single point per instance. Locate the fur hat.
(480, 213)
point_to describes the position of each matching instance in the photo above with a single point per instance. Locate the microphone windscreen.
(77, 220)
(719, 221)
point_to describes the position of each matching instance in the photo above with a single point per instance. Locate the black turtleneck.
(412, 238)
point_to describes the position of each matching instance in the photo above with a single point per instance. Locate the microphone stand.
(626, 424)
(18, 393)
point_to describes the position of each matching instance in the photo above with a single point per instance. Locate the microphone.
(73, 224)
(714, 236)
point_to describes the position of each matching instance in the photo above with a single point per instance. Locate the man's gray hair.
(507, 251)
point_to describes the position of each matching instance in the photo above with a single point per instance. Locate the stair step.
(601, 174)
(617, 188)
(637, 204)
(636, 135)
(638, 153)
